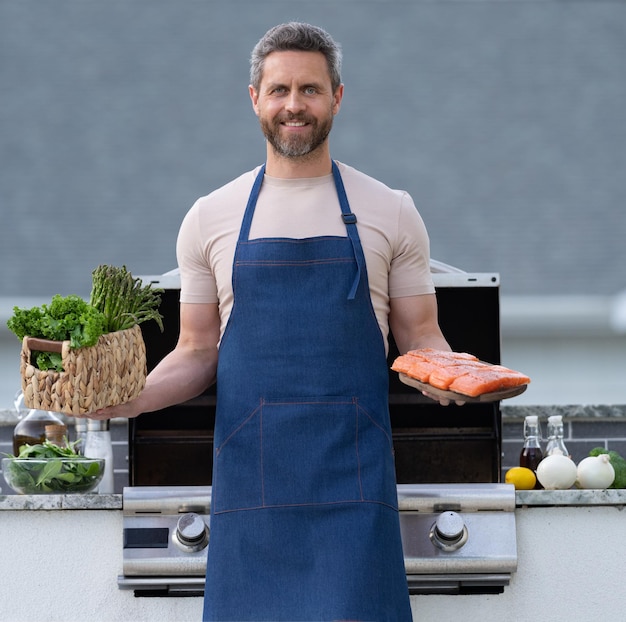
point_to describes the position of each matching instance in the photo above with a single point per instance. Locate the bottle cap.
(532, 419)
(555, 419)
(55, 432)
(56, 428)
(98, 425)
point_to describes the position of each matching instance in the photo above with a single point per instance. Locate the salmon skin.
(459, 372)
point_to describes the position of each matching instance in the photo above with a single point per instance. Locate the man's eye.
(310, 90)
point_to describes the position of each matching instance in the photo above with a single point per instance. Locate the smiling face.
(295, 103)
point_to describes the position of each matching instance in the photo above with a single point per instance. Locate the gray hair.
(296, 36)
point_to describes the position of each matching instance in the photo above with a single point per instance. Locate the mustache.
(297, 118)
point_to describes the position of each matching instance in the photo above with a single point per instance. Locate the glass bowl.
(52, 476)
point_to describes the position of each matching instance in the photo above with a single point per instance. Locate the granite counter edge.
(509, 411)
(571, 497)
(61, 502)
(523, 498)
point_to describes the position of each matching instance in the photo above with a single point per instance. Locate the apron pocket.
(237, 467)
(301, 451)
(309, 451)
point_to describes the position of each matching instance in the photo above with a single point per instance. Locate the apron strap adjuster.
(349, 219)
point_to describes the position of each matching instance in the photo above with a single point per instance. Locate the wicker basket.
(111, 372)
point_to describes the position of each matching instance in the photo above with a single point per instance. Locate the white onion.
(556, 472)
(595, 472)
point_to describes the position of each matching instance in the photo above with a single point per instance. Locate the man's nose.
(295, 102)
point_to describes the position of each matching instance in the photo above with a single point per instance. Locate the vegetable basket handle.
(43, 345)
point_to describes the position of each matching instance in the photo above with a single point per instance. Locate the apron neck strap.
(349, 220)
(244, 232)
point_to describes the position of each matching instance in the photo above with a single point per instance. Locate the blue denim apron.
(304, 519)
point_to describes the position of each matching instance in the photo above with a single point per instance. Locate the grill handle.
(456, 497)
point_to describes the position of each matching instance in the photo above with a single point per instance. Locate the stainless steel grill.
(432, 443)
(457, 538)
(458, 523)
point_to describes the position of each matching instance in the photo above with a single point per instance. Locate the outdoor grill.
(432, 443)
(448, 462)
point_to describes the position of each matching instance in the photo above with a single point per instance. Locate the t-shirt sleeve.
(410, 265)
(197, 282)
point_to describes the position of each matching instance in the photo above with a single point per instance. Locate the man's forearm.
(180, 376)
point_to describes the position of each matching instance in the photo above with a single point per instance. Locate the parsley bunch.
(65, 318)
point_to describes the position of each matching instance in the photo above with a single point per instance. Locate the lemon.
(521, 477)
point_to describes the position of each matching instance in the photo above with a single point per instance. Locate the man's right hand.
(128, 410)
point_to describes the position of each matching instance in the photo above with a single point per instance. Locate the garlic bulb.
(556, 472)
(595, 472)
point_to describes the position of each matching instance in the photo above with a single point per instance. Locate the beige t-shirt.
(393, 235)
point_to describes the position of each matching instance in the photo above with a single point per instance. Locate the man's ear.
(337, 97)
(254, 97)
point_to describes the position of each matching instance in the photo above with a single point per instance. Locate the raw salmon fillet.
(430, 354)
(414, 367)
(485, 381)
(432, 366)
(444, 376)
(459, 372)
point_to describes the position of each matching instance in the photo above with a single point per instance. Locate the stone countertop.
(61, 502)
(9, 418)
(523, 498)
(573, 411)
(509, 411)
(571, 497)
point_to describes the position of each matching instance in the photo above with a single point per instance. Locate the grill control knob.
(192, 533)
(448, 532)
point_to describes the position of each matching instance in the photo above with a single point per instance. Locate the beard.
(296, 145)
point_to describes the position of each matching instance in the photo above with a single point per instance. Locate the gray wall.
(504, 119)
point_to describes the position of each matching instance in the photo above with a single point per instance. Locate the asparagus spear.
(122, 298)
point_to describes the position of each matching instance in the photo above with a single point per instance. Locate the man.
(294, 273)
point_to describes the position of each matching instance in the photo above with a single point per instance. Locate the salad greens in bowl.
(51, 469)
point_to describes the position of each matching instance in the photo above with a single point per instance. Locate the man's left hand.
(444, 401)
